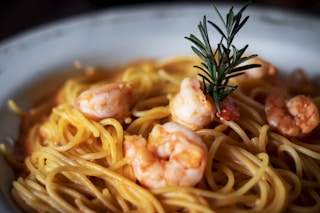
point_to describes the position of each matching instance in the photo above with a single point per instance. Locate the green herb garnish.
(222, 64)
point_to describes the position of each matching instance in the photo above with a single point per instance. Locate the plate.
(112, 37)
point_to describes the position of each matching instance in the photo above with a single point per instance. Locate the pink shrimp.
(194, 109)
(266, 71)
(173, 156)
(294, 117)
(110, 100)
(191, 107)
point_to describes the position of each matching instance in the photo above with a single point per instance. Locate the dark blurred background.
(16, 16)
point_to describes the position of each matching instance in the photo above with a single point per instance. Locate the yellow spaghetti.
(67, 162)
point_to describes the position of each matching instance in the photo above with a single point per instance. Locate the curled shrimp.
(194, 109)
(266, 71)
(173, 156)
(110, 100)
(294, 117)
(191, 107)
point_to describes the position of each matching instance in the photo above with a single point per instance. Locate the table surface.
(17, 16)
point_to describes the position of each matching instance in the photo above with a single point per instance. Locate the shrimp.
(110, 100)
(174, 155)
(266, 71)
(191, 107)
(294, 117)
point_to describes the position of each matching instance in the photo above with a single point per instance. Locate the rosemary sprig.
(224, 63)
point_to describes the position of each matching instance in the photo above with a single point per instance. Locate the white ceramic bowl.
(286, 38)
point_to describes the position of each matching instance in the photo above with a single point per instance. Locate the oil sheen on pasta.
(76, 163)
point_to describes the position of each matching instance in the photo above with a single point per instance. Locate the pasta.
(67, 162)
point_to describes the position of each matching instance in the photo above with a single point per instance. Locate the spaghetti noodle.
(72, 163)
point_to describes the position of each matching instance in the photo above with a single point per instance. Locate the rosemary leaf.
(219, 66)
